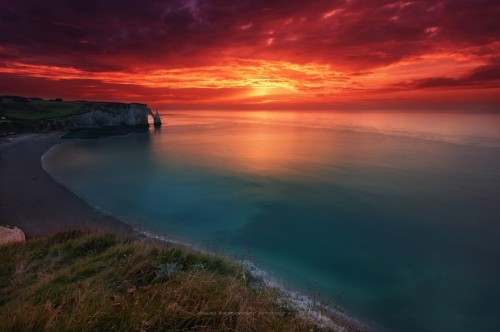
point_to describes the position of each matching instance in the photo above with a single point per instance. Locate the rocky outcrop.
(101, 115)
(156, 119)
(11, 235)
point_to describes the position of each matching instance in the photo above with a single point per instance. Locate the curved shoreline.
(32, 201)
(63, 208)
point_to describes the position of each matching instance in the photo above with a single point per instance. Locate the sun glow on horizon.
(313, 54)
(261, 79)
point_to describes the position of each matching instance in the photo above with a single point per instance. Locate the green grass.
(38, 110)
(86, 280)
(29, 110)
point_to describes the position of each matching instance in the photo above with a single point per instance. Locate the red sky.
(347, 54)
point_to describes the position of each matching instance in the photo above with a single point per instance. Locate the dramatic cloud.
(481, 76)
(307, 53)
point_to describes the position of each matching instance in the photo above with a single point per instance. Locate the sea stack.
(157, 119)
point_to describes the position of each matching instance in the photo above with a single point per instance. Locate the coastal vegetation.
(99, 281)
(21, 114)
(32, 109)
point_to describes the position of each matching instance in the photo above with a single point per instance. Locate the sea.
(392, 217)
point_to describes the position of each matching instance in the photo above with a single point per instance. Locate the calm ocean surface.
(393, 217)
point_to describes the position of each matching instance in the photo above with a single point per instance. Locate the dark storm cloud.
(354, 35)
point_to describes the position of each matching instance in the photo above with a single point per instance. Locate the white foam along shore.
(324, 315)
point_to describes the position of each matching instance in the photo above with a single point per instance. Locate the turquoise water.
(393, 217)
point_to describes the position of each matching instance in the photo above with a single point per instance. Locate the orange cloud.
(305, 54)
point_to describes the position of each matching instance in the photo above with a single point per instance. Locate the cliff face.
(100, 115)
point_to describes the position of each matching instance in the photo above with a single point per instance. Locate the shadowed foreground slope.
(97, 281)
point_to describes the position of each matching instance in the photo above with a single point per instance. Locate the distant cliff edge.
(100, 115)
(20, 114)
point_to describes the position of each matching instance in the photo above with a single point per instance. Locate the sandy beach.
(32, 201)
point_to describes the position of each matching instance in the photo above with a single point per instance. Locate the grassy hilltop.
(20, 114)
(98, 281)
(31, 109)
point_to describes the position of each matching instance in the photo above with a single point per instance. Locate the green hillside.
(98, 281)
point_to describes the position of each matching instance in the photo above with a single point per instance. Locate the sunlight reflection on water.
(377, 212)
